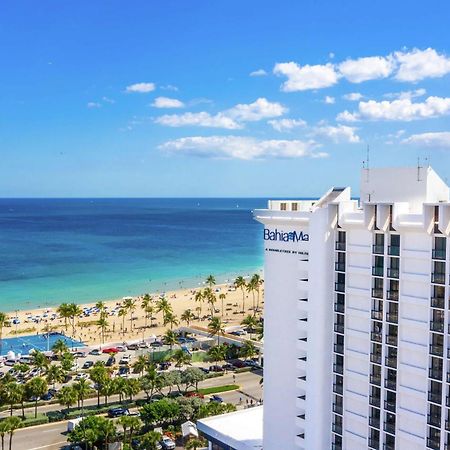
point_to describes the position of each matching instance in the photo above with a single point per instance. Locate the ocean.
(56, 250)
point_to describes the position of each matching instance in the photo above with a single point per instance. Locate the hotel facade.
(357, 316)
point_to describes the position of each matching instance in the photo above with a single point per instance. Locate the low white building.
(357, 318)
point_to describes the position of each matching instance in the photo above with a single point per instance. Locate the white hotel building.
(357, 316)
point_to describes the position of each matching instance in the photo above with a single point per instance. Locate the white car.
(167, 443)
(82, 375)
(125, 359)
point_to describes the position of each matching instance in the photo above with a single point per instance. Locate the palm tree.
(141, 364)
(170, 338)
(250, 322)
(210, 281)
(248, 350)
(199, 298)
(107, 430)
(210, 297)
(240, 283)
(195, 443)
(11, 394)
(217, 353)
(13, 424)
(122, 313)
(39, 360)
(171, 319)
(64, 312)
(82, 389)
(163, 305)
(222, 297)
(119, 387)
(181, 358)
(132, 387)
(131, 423)
(3, 321)
(103, 324)
(216, 328)
(107, 389)
(251, 288)
(59, 347)
(257, 282)
(99, 374)
(67, 397)
(130, 305)
(36, 388)
(187, 316)
(55, 374)
(146, 305)
(4, 428)
(74, 311)
(101, 306)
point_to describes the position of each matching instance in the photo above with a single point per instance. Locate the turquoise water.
(55, 250)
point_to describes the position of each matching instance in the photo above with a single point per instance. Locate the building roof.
(241, 430)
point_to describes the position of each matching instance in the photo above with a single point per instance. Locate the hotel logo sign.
(291, 236)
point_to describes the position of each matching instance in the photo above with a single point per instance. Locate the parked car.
(216, 398)
(88, 364)
(79, 354)
(95, 352)
(111, 361)
(228, 367)
(82, 376)
(10, 362)
(132, 346)
(194, 394)
(47, 396)
(117, 412)
(204, 369)
(215, 368)
(125, 359)
(238, 363)
(110, 350)
(251, 363)
(238, 333)
(167, 443)
(123, 372)
(164, 365)
(121, 348)
(67, 378)
(156, 344)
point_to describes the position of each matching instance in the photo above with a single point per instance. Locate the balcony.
(377, 293)
(433, 443)
(374, 336)
(393, 250)
(378, 271)
(339, 287)
(339, 307)
(391, 362)
(389, 406)
(337, 428)
(391, 339)
(338, 409)
(339, 348)
(339, 328)
(377, 315)
(390, 383)
(389, 427)
(392, 317)
(389, 446)
(339, 267)
(375, 379)
(392, 295)
(374, 422)
(375, 358)
(437, 325)
(374, 443)
(435, 374)
(374, 401)
(338, 368)
(437, 350)
(393, 273)
(340, 246)
(438, 254)
(378, 249)
(438, 278)
(434, 420)
(338, 388)
(336, 446)
(438, 302)
(435, 397)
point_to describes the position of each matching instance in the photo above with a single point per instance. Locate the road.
(52, 437)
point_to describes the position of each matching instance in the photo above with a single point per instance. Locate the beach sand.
(90, 333)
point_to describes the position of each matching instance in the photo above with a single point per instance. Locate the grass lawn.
(218, 389)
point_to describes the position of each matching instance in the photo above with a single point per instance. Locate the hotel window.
(436, 219)
(440, 244)
(394, 245)
(378, 246)
(283, 206)
(294, 206)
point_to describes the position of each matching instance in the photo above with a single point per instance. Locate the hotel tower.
(357, 316)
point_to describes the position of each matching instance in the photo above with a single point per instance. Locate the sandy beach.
(38, 321)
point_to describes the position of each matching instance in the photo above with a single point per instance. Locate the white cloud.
(142, 88)
(439, 139)
(258, 73)
(229, 119)
(286, 124)
(302, 78)
(166, 102)
(338, 134)
(406, 94)
(169, 87)
(200, 119)
(420, 64)
(108, 100)
(402, 110)
(353, 97)
(329, 100)
(93, 105)
(364, 69)
(259, 109)
(331, 55)
(244, 148)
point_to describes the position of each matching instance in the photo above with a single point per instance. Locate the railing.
(437, 326)
(435, 374)
(374, 401)
(438, 278)
(392, 317)
(374, 422)
(390, 384)
(378, 271)
(435, 397)
(378, 315)
(393, 250)
(375, 358)
(387, 446)
(375, 379)
(338, 388)
(374, 443)
(339, 328)
(377, 293)
(336, 446)
(378, 249)
(392, 295)
(338, 409)
(434, 420)
(391, 362)
(438, 254)
(340, 246)
(337, 428)
(339, 307)
(339, 266)
(339, 287)
(339, 348)
(391, 340)
(389, 427)
(338, 368)
(393, 273)
(447, 425)
(436, 349)
(389, 406)
(434, 444)
(374, 336)
(438, 302)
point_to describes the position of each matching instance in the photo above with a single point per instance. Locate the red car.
(194, 394)
(110, 350)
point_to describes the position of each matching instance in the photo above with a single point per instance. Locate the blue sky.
(205, 98)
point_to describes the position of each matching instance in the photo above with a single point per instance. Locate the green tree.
(147, 307)
(210, 281)
(240, 283)
(60, 347)
(159, 412)
(210, 298)
(198, 297)
(13, 423)
(248, 350)
(74, 311)
(67, 360)
(119, 386)
(82, 389)
(187, 316)
(103, 324)
(195, 443)
(150, 441)
(67, 397)
(4, 428)
(141, 364)
(122, 313)
(3, 321)
(107, 389)
(11, 393)
(151, 382)
(130, 423)
(251, 289)
(130, 306)
(64, 313)
(251, 322)
(216, 328)
(93, 430)
(181, 358)
(257, 282)
(55, 374)
(39, 360)
(99, 374)
(36, 388)
(132, 387)
(163, 306)
(170, 319)
(222, 297)
(217, 353)
(170, 338)
(191, 377)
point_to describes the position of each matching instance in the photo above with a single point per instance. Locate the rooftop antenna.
(418, 169)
